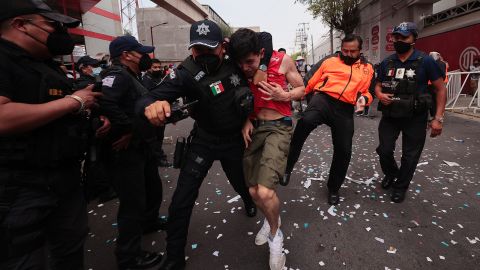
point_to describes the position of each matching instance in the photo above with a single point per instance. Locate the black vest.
(402, 83)
(225, 100)
(61, 142)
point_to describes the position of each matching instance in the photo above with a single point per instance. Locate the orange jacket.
(337, 79)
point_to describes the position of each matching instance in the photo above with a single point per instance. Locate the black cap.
(205, 33)
(128, 43)
(86, 61)
(406, 29)
(13, 8)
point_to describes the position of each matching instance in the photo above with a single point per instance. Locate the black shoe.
(168, 264)
(285, 179)
(250, 209)
(144, 261)
(387, 181)
(156, 225)
(398, 196)
(333, 197)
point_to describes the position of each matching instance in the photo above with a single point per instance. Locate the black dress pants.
(414, 131)
(202, 152)
(43, 220)
(136, 181)
(338, 115)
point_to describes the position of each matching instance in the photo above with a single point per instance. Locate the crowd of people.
(103, 132)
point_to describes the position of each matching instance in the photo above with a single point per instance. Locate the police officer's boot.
(333, 197)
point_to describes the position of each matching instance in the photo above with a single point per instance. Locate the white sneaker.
(277, 257)
(262, 235)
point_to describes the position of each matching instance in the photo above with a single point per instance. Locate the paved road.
(437, 227)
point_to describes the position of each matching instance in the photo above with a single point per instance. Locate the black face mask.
(402, 47)
(145, 63)
(208, 62)
(59, 42)
(348, 60)
(157, 74)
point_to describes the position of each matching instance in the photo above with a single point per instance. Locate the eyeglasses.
(53, 23)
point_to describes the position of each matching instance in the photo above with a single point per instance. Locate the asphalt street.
(436, 227)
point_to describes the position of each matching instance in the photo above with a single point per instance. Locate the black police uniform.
(407, 114)
(133, 171)
(150, 82)
(216, 135)
(41, 199)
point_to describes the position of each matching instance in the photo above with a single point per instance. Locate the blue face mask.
(96, 71)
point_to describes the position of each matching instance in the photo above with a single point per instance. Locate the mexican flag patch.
(217, 88)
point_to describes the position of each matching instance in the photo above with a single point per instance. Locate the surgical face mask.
(96, 71)
(300, 63)
(208, 62)
(145, 63)
(402, 47)
(348, 60)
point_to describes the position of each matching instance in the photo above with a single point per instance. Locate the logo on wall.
(466, 58)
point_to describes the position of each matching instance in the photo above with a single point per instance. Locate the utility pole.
(151, 34)
(302, 37)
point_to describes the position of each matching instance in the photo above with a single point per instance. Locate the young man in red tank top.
(267, 133)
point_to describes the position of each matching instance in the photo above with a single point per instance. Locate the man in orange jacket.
(339, 82)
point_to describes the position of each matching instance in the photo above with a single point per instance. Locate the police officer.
(224, 103)
(130, 161)
(404, 101)
(42, 140)
(150, 79)
(89, 69)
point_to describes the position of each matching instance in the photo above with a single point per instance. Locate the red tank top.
(274, 75)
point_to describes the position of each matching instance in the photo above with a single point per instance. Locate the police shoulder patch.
(108, 81)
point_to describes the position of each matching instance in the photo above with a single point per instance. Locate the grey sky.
(279, 17)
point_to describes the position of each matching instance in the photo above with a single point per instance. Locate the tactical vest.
(403, 84)
(225, 100)
(61, 142)
(142, 130)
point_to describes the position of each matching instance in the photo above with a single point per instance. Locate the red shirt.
(274, 75)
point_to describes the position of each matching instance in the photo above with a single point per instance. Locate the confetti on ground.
(332, 210)
(215, 253)
(451, 164)
(234, 199)
(380, 240)
(321, 263)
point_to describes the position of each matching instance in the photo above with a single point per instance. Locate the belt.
(285, 121)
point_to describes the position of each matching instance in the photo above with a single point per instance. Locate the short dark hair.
(243, 42)
(282, 50)
(353, 37)
(156, 61)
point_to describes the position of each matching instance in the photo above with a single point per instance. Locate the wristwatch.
(263, 67)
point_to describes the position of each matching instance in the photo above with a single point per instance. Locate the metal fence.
(455, 86)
